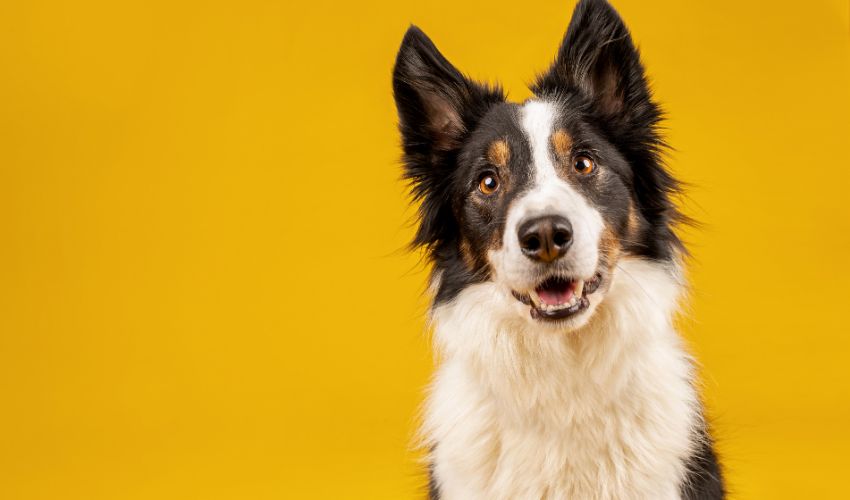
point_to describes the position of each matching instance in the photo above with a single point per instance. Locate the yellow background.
(204, 292)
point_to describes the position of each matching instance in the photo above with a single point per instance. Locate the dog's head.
(543, 197)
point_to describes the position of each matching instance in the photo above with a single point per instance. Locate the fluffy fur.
(587, 392)
(517, 412)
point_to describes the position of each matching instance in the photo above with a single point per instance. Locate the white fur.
(519, 411)
(549, 195)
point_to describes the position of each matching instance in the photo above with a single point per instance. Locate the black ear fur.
(598, 58)
(437, 107)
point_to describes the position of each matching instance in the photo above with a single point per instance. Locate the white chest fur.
(518, 412)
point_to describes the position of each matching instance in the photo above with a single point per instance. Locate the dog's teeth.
(535, 298)
(579, 289)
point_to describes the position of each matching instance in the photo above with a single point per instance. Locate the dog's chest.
(563, 427)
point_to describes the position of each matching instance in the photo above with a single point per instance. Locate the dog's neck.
(615, 392)
(490, 331)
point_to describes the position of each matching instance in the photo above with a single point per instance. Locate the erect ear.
(599, 59)
(436, 104)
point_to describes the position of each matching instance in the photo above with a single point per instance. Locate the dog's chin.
(561, 303)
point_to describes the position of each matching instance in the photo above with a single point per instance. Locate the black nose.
(546, 238)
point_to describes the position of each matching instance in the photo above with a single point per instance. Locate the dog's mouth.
(557, 298)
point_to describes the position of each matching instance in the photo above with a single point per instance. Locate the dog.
(557, 274)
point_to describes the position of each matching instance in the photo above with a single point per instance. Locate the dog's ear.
(437, 107)
(598, 58)
(436, 103)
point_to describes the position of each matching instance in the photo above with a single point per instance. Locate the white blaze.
(549, 195)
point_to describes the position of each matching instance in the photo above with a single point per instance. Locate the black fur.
(423, 79)
(704, 480)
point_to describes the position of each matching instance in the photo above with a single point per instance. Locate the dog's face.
(544, 197)
(542, 203)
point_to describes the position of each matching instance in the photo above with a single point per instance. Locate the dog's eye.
(488, 184)
(584, 165)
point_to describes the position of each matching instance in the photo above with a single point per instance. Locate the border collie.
(556, 278)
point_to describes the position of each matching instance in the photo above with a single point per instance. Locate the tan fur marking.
(562, 142)
(633, 222)
(609, 246)
(499, 153)
(467, 254)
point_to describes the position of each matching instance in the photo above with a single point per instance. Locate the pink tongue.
(555, 296)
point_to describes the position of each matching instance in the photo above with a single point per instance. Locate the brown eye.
(584, 165)
(488, 184)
